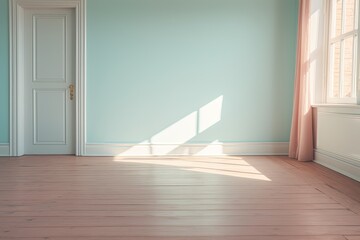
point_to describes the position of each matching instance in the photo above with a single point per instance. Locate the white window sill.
(338, 108)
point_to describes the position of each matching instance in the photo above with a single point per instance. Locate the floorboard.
(175, 198)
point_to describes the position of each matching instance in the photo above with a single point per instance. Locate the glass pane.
(335, 71)
(338, 17)
(349, 15)
(348, 66)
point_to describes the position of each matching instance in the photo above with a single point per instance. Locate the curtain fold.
(301, 137)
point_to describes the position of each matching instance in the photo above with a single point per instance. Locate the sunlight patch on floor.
(240, 169)
(257, 176)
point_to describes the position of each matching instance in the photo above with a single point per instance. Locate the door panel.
(49, 71)
(49, 44)
(52, 128)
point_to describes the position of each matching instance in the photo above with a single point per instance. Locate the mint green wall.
(153, 62)
(4, 72)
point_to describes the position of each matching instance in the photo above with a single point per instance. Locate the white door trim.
(16, 12)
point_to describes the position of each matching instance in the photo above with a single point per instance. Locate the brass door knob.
(72, 91)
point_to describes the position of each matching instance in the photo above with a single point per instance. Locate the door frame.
(16, 28)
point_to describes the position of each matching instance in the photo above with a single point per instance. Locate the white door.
(49, 81)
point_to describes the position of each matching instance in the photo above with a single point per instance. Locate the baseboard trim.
(212, 149)
(4, 149)
(345, 164)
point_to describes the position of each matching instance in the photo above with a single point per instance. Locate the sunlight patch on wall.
(210, 114)
(182, 131)
(142, 148)
(179, 132)
(213, 148)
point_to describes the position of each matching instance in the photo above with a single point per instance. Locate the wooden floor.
(195, 198)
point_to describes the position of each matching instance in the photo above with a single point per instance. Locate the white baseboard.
(348, 165)
(4, 149)
(212, 149)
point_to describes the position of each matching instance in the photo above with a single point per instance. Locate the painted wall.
(182, 70)
(4, 72)
(194, 71)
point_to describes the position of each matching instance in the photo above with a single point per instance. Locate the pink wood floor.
(195, 198)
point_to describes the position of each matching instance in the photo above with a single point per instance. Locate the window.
(343, 51)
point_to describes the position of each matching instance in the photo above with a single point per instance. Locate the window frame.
(329, 40)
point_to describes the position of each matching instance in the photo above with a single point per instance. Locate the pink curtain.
(301, 137)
